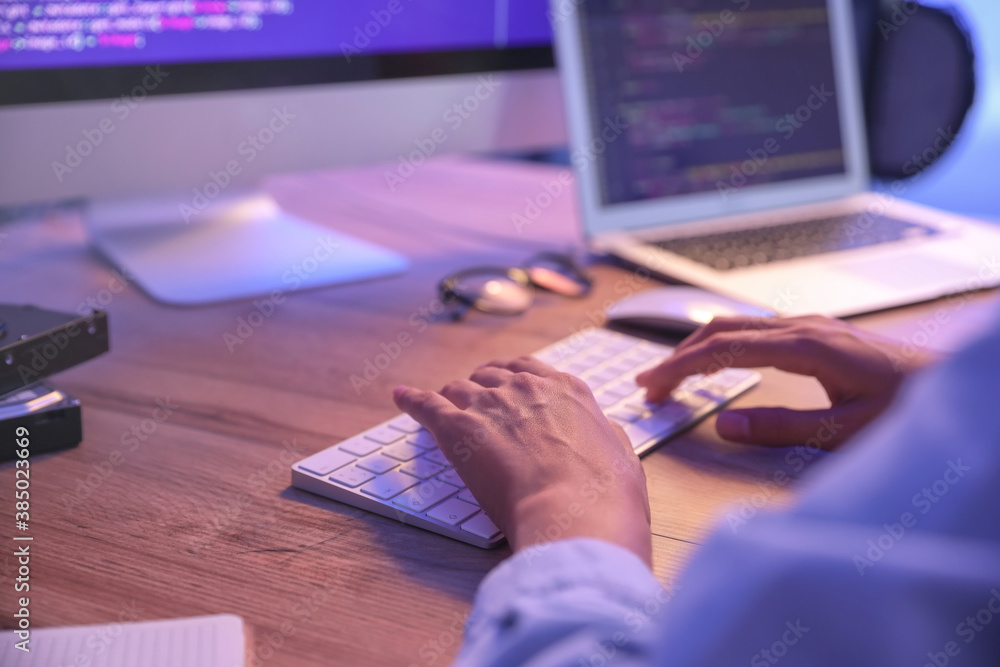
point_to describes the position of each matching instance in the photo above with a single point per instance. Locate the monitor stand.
(240, 245)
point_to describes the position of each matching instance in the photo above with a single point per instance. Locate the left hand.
(538, 454)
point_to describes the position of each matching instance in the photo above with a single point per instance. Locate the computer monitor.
(165, 115)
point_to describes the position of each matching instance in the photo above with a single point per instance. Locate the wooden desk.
(195, 515)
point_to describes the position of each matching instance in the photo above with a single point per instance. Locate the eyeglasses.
(511, 291)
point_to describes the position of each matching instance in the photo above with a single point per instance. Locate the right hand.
(860, 371)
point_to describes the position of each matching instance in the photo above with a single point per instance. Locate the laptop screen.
(699, 96)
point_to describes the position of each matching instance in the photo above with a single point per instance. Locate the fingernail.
(733, 426)
(399, 391)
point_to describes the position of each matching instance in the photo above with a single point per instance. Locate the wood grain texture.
(197, 515)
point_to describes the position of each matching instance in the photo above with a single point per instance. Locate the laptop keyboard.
(762, 245)
(396, 469)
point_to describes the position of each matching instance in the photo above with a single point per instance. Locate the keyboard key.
(628, 386)
(453, 512)
(423, 439)
(653, 427)
(620, 390)
(389, 485)
(384, 435)
(403, 451)
(438, 457)
(642, 405)
(481, 526)
(618, 368)
(326, 461)
(351, 476)
(554, 355)
(467, 496)
(421, 468)
(692, 383)
(620, 345)
(625, 414)
(405, 423)
(693, 401)
(451, 477)
(605, 376)
(360, 447)
(425, 496)
(378, 464)
(675, 412)
(606, 400)
(730, 377)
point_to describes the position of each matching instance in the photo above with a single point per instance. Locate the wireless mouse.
(678, 309)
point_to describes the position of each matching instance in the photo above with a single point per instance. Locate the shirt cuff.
(587, 567)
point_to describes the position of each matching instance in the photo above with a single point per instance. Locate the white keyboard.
(396, 469)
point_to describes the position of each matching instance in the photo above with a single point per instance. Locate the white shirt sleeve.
(890, 557)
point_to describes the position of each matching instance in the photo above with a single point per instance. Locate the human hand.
(860, 372)
(538, 454)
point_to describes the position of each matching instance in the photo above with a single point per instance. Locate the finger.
(429, 408)
(721, 324)
(783, 427)
(461, 392)
(736, 349)
(524, 365)
(491, 376)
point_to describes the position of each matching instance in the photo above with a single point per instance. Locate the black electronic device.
(47, 417)
(37, 343)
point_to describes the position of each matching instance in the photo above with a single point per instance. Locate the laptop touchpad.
(908, 271)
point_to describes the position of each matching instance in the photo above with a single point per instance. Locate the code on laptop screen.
(709, 95)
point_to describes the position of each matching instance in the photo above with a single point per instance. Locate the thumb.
(783, 427)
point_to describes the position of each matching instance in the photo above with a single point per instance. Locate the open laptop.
(722, 143)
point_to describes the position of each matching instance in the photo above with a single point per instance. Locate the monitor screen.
(715, 94)
(81, 50)
(80, 33)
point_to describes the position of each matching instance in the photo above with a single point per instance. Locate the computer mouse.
(678, 309)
